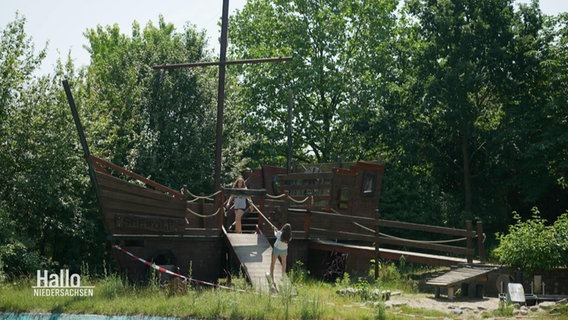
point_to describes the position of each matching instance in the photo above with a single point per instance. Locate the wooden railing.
(343, 227)
(467, 236)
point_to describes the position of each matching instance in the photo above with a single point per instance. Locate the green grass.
(114, 295)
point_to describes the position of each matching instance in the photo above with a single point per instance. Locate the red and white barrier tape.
(164, 270)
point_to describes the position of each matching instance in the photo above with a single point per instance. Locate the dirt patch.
(463, 307)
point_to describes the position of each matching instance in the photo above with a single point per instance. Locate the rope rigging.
(410, 240)
(278, 197)
(196, 198)
(300, 201)
(284, 195)
(186, 192)
(203, 215)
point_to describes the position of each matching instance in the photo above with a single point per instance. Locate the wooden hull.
(162, 225)
(155, 223)
(130, 208)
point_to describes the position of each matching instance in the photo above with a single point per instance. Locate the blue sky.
(63, 22)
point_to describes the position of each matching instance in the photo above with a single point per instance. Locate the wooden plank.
(154, 184)
(302, 196)
(152, 204)
(128, 207)
(190, 233)
(298, 211)
(254, 252)
(111, 195)
(305, 176)
(243, 192)
(422, 245)
(340, 235)
(113, 184)
(389, 254)
(339, 222)
(120, 222)
(423, 227)
(323, 187)
(457, 276)
(342, 247)
(118, 185)
(344, 218)
(370, 165)
(115, 205)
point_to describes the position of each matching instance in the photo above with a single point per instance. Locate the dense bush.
(17, 256)
(534, 245)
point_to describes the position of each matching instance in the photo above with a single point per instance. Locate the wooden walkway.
(254, 252)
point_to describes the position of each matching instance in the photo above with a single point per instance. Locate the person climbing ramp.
(280, 250)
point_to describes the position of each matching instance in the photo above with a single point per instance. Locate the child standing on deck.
(283, 237)
(239, 204)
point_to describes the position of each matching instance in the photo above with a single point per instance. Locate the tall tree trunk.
(466, 174)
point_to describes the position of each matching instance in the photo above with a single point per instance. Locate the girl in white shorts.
(283, 237)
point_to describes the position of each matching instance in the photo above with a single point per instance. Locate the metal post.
(480, 241)
(221, 205)
(377, 245)
(260, 217)
(289, 130)
(469, 242)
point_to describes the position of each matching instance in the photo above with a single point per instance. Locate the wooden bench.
(468, 277)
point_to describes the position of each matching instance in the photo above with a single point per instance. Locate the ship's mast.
(222, 63)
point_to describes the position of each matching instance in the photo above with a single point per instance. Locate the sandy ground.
(460, 307)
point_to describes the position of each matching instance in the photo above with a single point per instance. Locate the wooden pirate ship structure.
(183, 230)
(332, 208)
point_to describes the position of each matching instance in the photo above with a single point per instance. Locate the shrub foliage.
(533, 244)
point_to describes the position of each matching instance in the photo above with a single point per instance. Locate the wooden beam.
(318, 232)
(217, 63)
(138, 177)
(426, 228)
(424, 245)
(192, 233)
(389, 254)
(244, 192)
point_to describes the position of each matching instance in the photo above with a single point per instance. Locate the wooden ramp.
(254, 252)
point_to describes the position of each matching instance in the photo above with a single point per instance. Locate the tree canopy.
(340, 59)
(156, 123)
(438, 90)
